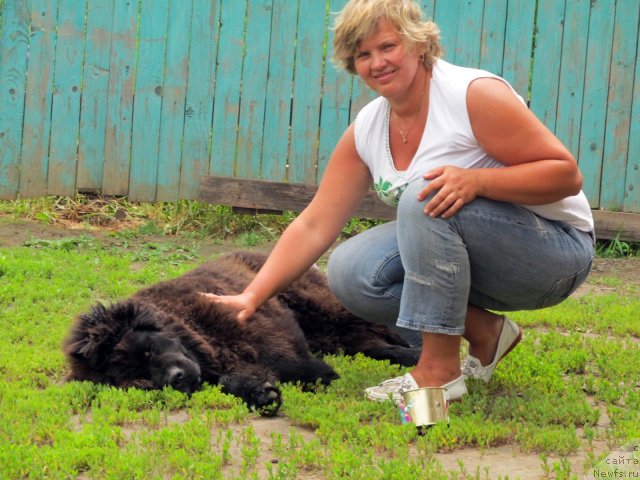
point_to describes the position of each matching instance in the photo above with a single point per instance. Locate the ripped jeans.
(417, 273)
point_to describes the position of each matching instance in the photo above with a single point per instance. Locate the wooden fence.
(145, 97)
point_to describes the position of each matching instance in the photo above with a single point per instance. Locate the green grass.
(545, 398)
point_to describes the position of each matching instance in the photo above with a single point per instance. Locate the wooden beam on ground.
(261, 196)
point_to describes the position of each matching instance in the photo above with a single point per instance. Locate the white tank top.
(447, 140)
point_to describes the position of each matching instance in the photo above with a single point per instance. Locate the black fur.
(168, 335)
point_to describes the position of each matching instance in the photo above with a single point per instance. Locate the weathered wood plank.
(37, 103)
(65, 107)
(276, 196)
(494, 25)
(619, 104)
(594, 102)
(254, 84)
(226, 107)
(307, 93)
(572, 71)
(273, 197)
(122, 63)
(612, 225)
(173, 101)
(632, 187)
(13, 66)
(546, 67)
(275, 146)
(95, 91)
(516, 65)
(205, 26)
(334, 113)
(147, 105)
(447, 15)
(468, 43)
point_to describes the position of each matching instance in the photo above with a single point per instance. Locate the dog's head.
(130, 345)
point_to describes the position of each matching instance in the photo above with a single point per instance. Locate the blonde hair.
(359, 19)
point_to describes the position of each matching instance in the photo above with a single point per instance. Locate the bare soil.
(502, 461)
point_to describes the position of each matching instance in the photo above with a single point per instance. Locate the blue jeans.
(418, 273)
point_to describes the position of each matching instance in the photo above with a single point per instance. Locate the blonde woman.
(490, 213)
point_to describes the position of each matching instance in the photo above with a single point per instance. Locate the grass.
(577, 362)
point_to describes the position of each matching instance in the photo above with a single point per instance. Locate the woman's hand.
(453, 187)
(244, 303)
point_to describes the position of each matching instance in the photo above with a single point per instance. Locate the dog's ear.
(96, 333)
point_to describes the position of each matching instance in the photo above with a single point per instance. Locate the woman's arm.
(345, 182)
(540, 168)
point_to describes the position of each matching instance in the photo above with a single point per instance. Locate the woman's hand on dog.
(243, 303)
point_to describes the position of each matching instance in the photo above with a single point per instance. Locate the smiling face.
(385, 62)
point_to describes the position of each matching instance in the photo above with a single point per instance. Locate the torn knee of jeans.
(447, 267)
(420, 279)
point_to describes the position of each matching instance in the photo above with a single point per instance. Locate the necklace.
(413, 121)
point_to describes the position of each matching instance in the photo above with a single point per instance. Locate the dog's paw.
(265, 399)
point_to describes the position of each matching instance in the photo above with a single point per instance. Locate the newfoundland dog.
(169, 335)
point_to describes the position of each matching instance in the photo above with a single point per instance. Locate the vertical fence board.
(65, 108)
(227, 94)
(334, 113)
(594, 102)
(546, 67)
(469, 34)
(516, 64)
(120, 100)
(95, 90)
(572, 71)
(307, 93)
(494, 22)
(632, 192)
(427, 7)
(176, 70)
(254, 82)
(147, 104)
(447, 14)
(37, 106)
(200, 89)
(619, 103)
(275, 146)
(13, 55)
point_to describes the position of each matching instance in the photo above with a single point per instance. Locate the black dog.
(169, 335)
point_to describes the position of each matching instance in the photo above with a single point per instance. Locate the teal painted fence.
(143, 97)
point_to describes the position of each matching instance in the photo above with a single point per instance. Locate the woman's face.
(384, 63)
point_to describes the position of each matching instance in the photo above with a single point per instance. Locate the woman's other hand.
(244, 303)
(452, 187)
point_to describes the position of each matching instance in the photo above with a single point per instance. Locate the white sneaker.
(510, 336)
(393, 388)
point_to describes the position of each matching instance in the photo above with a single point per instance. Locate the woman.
(490, 211)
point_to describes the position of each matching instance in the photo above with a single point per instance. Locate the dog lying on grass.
(169, 335)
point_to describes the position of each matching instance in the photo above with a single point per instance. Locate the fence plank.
(205, 25)
(120, 101)
(572, 72)
(546, 67)
(275, 146)
(516, 65)
(173, 101)
(227, 95)
(619, 104)
(632, 193)
(37, 105)
(469, 34)
(494, 24)
(334, 113)
(254, 82)
(594, 103)
(13, 67)
(147, 104)
(446, 14)
(65, 107)
(307, 93)
(95, 91)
